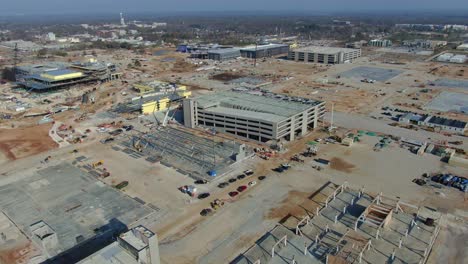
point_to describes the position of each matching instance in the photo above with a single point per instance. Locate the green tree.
(137, 63)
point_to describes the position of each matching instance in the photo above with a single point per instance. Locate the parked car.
(203, 195)
(223, 185)
(232, 180)
(249, 172)
(261, 178)
(279, 169)
(201, 181)
(206, 212)
(241, 176)
(121, 185)
(252, 183)
(107, 140)
(233, 194)
(116, 132)
(127, 128)
(241, 188)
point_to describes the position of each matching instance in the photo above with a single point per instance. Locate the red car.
(241, 188)
(232, 194)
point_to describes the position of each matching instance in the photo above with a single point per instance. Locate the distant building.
(356, 44)
(224, 54)
(450, 57)
(326, 55)
(51, 36)
(22, 45)
(434, 121)
(463, 47)
(137, 246)
(424, 43)
(341, 22)
(253, 116)
(380, 43)
(43, 77)
(456, 27)
(264, 51)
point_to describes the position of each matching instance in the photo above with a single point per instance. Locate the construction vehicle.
(216, 204)
(121, 185)
(97, 164)
(297, 159)
(138, 146)
(166, 116)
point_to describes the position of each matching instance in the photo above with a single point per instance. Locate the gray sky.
(158, 6)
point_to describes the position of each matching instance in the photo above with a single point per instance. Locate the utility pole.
(15, 60)
(256, 46)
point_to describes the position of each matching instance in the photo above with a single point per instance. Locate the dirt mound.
(23, 142)
(341, 165)
(225, 77)
(181, 66)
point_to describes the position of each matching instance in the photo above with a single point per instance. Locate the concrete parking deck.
(73, 203)
(333, 235)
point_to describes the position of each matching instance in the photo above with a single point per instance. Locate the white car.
(102, 130)
(252, 183)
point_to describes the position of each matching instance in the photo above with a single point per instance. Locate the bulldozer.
(98, 163)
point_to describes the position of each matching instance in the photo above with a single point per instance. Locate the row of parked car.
(452, 180)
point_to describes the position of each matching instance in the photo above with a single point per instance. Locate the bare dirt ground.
(23, 142)
(450, 71)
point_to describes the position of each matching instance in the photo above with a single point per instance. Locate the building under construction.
(49, 76)
(255, 115)
(190, 154)
(349, 226)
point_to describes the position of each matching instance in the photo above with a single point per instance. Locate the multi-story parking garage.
(326, 55)
(259, 117)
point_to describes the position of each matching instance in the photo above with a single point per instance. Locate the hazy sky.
(158, 6)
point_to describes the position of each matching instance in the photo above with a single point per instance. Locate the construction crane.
(166, 115)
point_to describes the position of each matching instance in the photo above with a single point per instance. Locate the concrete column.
(291, 132)
(304, 123)
(316, 115)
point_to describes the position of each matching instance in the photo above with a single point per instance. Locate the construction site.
(257, 159)
(349, 226)
(191, 155)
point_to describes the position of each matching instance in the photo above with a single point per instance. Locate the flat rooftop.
(224, 51)
(252, 106)
(71, 201)
(110, 255)
(46, 67)
(263, 47)
(324, 50)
